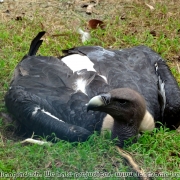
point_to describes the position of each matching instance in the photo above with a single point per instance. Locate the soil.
(59, 14)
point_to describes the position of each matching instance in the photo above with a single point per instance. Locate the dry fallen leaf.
(95, 23)
(89, 9)
(150, 7)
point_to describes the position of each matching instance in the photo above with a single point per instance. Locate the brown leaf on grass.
(150, 7)
(95, 23)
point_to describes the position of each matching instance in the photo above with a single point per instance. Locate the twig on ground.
(140, 172)
(34, 141)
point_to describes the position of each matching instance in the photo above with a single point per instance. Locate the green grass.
(96, 155)
(158, 151)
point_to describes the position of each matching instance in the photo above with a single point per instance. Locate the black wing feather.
(135, 68)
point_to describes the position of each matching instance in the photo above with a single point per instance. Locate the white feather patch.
(85, 36)
(36, 109)
(156, 66)
(161, 87)
(105, 79)
(108, 123)
(49, 114)
(77, 62)
(147, 123)
(162, 91)
(80, 85)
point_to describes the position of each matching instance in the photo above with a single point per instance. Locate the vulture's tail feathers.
(35, 44)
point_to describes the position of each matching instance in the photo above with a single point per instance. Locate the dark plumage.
(52, 95)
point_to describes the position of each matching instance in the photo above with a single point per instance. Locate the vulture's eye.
(122, 101)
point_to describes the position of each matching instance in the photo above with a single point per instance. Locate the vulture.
(93, 89)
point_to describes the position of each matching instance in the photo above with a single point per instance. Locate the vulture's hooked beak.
(98, 101)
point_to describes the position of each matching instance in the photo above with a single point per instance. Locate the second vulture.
(92, 89)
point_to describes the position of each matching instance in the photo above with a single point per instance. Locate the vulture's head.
(127, 108)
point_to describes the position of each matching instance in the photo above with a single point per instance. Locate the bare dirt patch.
(63, 14)
(59, 14)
